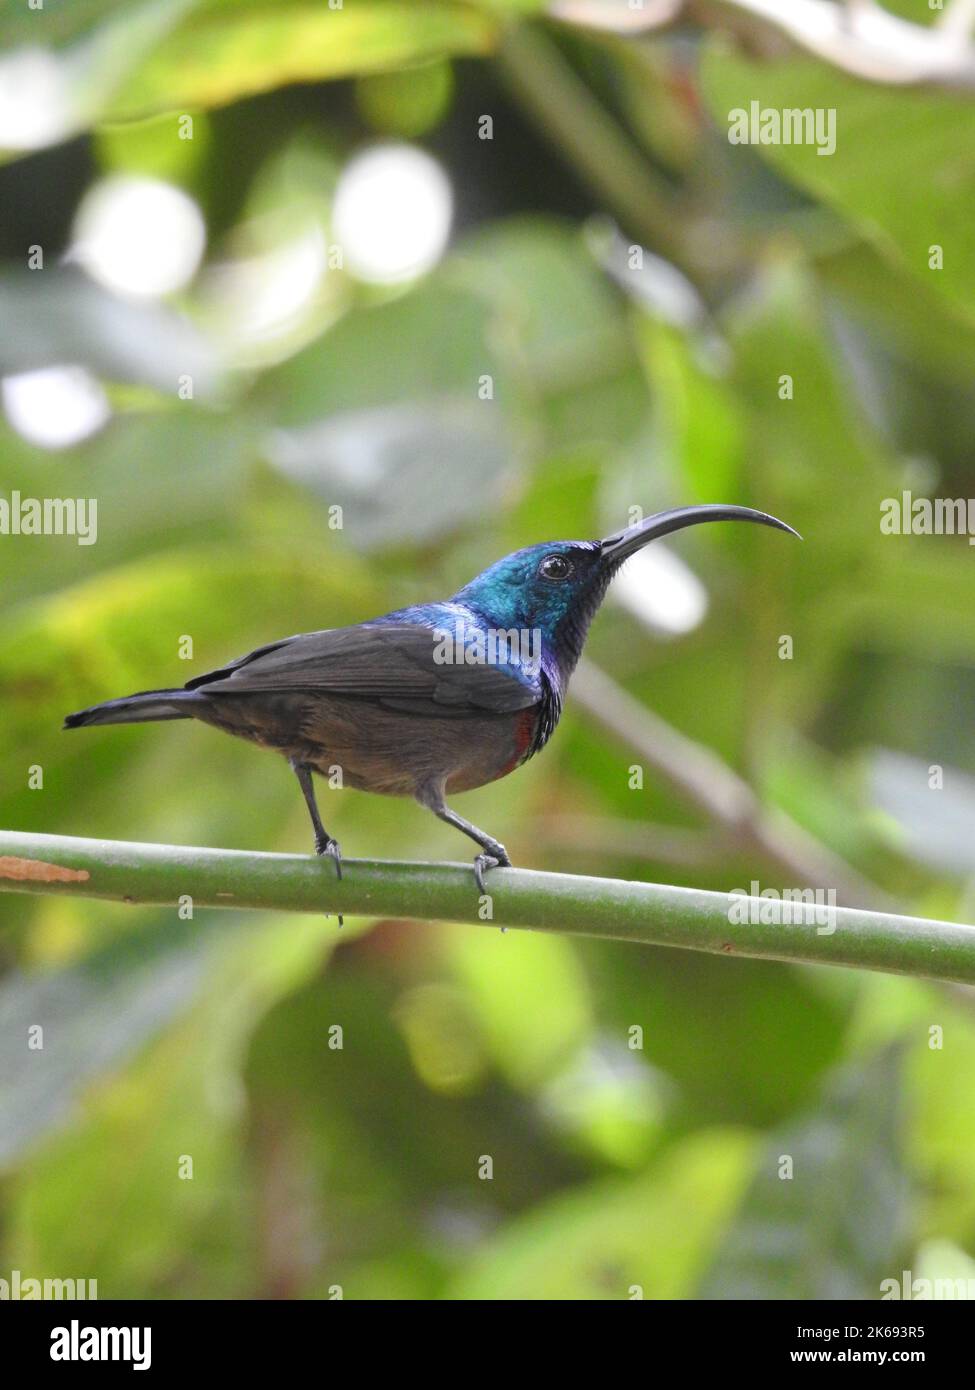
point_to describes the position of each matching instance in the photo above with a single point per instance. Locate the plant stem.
(595, 144)
(651, 913)
(704, 780)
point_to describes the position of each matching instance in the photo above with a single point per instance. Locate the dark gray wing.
(393, 664)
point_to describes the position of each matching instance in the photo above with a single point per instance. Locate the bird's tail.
(143, 708)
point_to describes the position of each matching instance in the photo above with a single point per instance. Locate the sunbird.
(428, 700)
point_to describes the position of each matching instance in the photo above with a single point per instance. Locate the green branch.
(650, 913)
(599, 149)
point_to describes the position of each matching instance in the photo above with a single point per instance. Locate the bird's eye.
(555, 567)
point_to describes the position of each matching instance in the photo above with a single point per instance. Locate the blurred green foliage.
(617, 1167)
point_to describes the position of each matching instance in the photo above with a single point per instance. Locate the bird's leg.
(324, 842)
(495, 855)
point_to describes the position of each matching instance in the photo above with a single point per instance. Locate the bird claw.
(489, 861)
(482, 862)
(335, 854)
(332, 850)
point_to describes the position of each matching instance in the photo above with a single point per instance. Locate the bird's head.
(556, 588)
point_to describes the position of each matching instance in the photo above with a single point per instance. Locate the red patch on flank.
(524, 733)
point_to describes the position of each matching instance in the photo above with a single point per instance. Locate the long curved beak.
(622, 544)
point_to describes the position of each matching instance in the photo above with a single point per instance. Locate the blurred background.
(329, 306)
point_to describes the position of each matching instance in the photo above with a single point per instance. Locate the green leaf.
(431, 343)
(942, 1135)
(61, 65)
(145, 1220)
(61, 21)
(644, 1238)
(902, 315)
(529, 995)
(724, 1078)
(93, 639)
(229, 49)
(93, 1014)
(880, 132)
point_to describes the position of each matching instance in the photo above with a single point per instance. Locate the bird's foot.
(496, 860)
(325, 845)
(332, 850)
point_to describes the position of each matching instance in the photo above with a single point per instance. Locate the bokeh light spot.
(392, 214)
(139, 236)
(661, 591)
(54, 407)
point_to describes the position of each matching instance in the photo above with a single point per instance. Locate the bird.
(429, 700)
